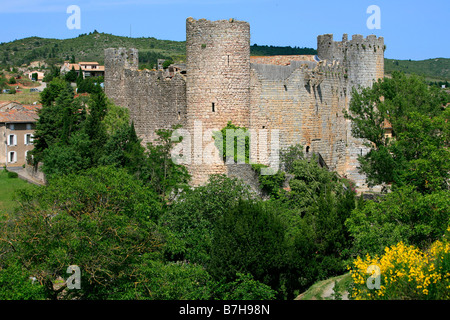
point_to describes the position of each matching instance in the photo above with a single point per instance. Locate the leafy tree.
(72, 157)
(418, 152)
(403, 215)
(51, 127)
(165, 176)
(244, 288)
(251, 239)
(159, 280)
(94, 126)
(124, 150)
(102, 220)
(17, 284)
(238, 149)
(167, 63)
(189, 221)
(116, 117)
(53, 73)
(71, 76)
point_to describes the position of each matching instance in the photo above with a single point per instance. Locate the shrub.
(12, 174)
(406, 272)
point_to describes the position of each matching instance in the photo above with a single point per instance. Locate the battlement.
(328, 49)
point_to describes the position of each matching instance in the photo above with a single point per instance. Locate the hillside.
(432, 69)
(90, 47)
(86, 47)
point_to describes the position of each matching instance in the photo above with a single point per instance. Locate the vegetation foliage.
(124, 213)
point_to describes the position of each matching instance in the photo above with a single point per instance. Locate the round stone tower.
(217, 87)
(363, 63)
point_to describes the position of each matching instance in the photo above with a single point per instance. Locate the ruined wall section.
(217, 86)
(304, 101)
(154, 101)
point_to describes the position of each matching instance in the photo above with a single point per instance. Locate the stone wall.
(305, 103)
(154, 100)
(301, 96)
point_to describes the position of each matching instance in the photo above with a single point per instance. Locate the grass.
(26, 97)
(8, 187)
(321, 290)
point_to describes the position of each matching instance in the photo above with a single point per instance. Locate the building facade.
(17, 124)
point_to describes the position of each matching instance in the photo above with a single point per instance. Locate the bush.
(403, 215)
(12, 174)
(406, 273)
(244, 288)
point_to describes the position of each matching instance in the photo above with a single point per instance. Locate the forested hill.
(90, 47)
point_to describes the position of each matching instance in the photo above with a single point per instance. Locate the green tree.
(102, 220)
(49, 127)
(163, 174)
(403, 215)
(237, 147)
(124, 150)
(71, 76)
(189, 221)
(418, 152)
(251, 239)
(94, 126)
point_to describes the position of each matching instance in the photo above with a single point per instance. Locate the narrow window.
(213, 107)
(28, 138)
(12, 156)
(285, 88)
(228, 59)
(12, 141)
(307, 149)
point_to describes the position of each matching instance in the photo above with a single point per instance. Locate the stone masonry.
(301, 97)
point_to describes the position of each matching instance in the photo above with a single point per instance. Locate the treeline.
(265, 50)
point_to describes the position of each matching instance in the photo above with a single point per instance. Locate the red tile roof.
(18, 112)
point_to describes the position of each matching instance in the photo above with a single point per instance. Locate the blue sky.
(412, 29)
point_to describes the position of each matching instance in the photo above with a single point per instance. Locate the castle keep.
(301, 96)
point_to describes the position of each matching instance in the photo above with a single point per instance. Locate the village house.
(17, 124)
(88, 69)
(40, 75)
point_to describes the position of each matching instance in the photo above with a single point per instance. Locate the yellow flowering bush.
(406, 272)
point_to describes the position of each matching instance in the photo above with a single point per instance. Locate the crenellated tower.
(363, 58)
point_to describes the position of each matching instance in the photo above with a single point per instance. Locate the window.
(28, 139)
(12, 140)
(11, 126)
(28, 126)
(12, 157)
(213, 107)
(307, 149)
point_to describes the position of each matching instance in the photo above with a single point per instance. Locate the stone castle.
(301, 96)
